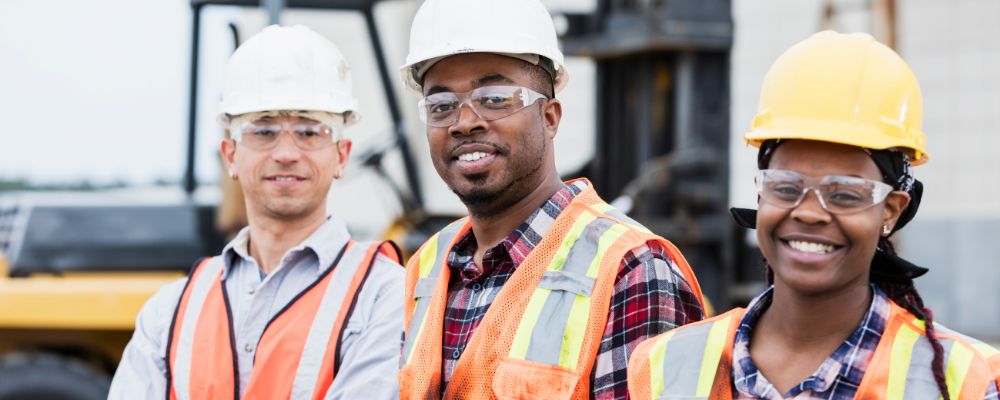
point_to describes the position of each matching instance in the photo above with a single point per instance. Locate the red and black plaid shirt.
(650, 296)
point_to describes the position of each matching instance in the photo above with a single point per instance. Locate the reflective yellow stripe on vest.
(901, 357)
(675, 371)
(561, 301)
(432, 259)
(959, 361)
(910, 375)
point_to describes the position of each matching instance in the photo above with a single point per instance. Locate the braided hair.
(893, 275)
(903, 293)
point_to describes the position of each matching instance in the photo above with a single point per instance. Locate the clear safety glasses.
(264, 133)
(490, 103)
(837, 194)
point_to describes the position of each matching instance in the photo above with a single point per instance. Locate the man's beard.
(485, 202)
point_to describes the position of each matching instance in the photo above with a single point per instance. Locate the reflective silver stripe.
(920, 383)
(181, 366)
(682, 361)
(567, 281)
(321, 330)
(425, 286)
(424, 289)
(616, 213)
(547, 336)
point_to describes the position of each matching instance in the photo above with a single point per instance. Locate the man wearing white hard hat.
(293, 307)
(545, 289)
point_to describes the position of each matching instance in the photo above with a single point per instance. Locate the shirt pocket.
(352, 332)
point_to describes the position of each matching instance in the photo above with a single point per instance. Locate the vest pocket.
(522, 379)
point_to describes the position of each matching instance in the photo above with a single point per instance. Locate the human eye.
(785, 184)
(441, 107)
(784, 189)
(495, 100)
(265, 131)
(848, 195)
(308, 132)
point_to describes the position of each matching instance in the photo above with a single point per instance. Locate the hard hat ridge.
(288, 68)
(842, 88)
(520, 29)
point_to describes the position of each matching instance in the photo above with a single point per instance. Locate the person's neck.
(271, 238)
(805, 322)
(490, 229)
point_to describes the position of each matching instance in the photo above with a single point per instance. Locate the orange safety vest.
(298, 353)
(695, 361)
(540, 337)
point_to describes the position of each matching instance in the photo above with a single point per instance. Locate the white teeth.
(285, 179)
(810, 247)
(472, 156)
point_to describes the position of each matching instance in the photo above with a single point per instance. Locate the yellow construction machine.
(76, 268)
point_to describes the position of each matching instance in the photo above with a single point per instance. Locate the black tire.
(45, 376)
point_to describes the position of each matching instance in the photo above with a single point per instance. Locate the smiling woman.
(838, 128)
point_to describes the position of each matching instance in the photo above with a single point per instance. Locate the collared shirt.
(838, 377)
(370, 344)
(650, 295)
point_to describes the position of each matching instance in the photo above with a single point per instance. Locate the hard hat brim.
(837, 132)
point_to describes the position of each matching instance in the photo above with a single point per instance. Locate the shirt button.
(252, 290)
(476, 286)
(248, 348)
(456, 354)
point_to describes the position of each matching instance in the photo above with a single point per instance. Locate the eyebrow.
(483, 81)
(437, 89)
(492, 78)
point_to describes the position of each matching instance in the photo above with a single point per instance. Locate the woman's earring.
(886, 230)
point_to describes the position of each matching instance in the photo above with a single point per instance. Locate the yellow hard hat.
(841, 88)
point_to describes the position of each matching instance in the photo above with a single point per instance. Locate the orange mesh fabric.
(280, 347)
(181, 310)
(639, 379)
(980, 374)
(326, 372)
(874, 383)
(722, 386)
(473, 376)
(212, 371)
(638, 370)
(421, 377)
(484, 370)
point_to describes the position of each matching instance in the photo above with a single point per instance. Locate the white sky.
(98, 89)
(84, 96)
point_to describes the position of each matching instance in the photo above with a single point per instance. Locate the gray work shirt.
(369, 348)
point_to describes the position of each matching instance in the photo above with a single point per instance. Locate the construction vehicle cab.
(74, 271)
(75, 268)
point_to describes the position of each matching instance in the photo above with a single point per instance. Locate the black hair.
(543, 76)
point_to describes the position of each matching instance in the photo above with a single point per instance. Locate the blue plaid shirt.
(837, 377)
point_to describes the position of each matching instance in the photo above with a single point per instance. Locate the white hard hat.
(516, 28)
(288, 68)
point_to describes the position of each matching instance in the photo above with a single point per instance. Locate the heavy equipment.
(75, 268)
(663, 130)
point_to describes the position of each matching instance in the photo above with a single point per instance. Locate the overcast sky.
(89, 94)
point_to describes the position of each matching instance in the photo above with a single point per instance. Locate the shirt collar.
(325, 243)
(748, 380)
(522, 240)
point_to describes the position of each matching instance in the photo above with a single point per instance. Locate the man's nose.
(468, 122)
